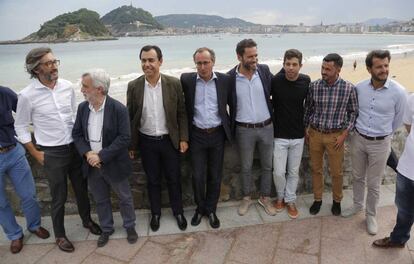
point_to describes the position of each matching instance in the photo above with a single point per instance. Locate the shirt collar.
(100, 108)
(238, 74)
(335, 83)
(212, 77)
(38, 85)
(156, 85)
(386, 84)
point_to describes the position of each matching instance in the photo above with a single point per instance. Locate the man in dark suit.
(252, 122)
(102, 135)
(159, 130)
(207, 95)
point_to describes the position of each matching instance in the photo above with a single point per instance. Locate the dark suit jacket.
(265, 77)
(188, 81)
(116, 137)
(173, 100)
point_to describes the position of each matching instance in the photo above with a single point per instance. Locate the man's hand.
(131, 154)
(340, 140)
(93, 159)
(307, 135)
(39, 156)
(183, 146)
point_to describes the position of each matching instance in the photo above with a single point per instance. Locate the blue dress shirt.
(8, 103)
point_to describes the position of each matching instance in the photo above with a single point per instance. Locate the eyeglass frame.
(50, 63)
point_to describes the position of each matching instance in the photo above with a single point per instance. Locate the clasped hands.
(93, 159)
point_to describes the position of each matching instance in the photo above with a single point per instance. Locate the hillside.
(190, 20)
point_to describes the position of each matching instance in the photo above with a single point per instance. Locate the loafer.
(93, 228)
(181, 221)
(64, 244)
(315, 208)
(104, 238)
(132, 235)
(41, 233)
(155, 222)
(213, 220)
(16, 245)
(336, 208)
(387, 243)
(196, 220)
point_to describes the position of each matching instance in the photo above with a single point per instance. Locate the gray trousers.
(100, 187)
(247, 140)
(369, 159)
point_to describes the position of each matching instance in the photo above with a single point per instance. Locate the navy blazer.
(223, 88)
(266, 78)
(116, 137)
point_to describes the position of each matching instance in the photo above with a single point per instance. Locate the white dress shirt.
(52, 112)
(406, 164)
(153, 121)
(95, 126)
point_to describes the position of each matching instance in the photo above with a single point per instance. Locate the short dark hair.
(33, 59)
(336, 58)
(245, 43)
(212, 53)
(293, 53)
(150, 47)
(382, 54)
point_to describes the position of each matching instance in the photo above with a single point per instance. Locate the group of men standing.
(165, 117)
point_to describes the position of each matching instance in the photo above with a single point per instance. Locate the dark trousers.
(392, 161)
(62, 162)
(404, 199)
(100, 187)
(207, 154)
(160, 157)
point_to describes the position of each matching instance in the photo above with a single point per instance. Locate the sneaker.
(292, 210)
(372, 226)
(267, 205)
(132, 235)
(244, 205)
(279, 205)
(351, 211)
(336, 208)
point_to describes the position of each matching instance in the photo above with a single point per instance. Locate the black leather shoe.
(103, 238)
(155, 222)
(64, 244)
(196, 220)
(316, 206)
(181, 221)
(93, 227)
(132, 235)
(336, 208)
(213, 220)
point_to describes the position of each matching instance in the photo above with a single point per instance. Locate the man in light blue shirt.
(381, 108)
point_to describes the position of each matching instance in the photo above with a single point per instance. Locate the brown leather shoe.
(16, 245)
(292, 210)
(64, 244)
(387, 243)
(279, 205)
(41, 233)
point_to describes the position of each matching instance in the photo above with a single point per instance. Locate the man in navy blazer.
(207, 95)
(252, 122)
(102, 135)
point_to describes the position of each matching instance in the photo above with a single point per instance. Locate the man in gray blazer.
(159, 130)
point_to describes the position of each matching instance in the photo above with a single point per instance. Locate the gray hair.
(100, 78)
(33, 59)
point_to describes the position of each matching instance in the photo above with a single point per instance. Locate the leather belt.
(371, 138)
(327, 131)
(6, 149)
(161, 137)
(207, 130)
(256, 125)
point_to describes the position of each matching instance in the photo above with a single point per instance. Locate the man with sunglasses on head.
(48, 102)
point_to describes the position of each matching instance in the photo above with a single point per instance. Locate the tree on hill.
(129, 15)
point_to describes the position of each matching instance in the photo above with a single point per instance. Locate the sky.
(19, 18)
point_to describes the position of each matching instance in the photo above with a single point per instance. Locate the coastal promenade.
(253, 238)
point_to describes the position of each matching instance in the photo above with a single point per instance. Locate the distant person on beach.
(159, 130)
(381, 107)
(102, 136)
(252, 122)
(330, 113)
(207, 96)
(14, 165)
(49, 103)
(355, 64)
(404, 195)
(289, 90)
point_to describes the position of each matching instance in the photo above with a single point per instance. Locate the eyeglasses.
(49, 64)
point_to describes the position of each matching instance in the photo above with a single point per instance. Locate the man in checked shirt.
(330, 113)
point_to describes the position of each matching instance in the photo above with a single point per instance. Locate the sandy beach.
(401, 70)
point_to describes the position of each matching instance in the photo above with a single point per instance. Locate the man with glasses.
(49, 103)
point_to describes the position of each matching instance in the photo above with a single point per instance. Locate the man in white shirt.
(49, 103)
(404, 195)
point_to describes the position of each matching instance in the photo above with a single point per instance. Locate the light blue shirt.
(251, 101)
(206, 113)
(380, 110)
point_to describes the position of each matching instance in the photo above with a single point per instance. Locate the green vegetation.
(125, 15)
(190, 20)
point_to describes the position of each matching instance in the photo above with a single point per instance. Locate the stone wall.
(231, 185)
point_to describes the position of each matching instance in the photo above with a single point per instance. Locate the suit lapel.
(85, 120)
(193, 84)
(107, 117)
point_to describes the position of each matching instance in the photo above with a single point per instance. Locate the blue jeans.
(404, 199)
(287, 156)
(14, 164)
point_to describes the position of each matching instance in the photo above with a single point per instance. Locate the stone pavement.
(253, 238)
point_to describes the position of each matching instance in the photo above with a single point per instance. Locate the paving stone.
(97, 258)
(46, 223)
(152, 253)
(166, 239)
(229, 217)
(342, 251)
(350, 229)
(120, 248)
(255, 244)
(284, 256)
(3, 250)
(211, 247)
(387, 256)
(301, 236)
(29, 254)
(82, 251)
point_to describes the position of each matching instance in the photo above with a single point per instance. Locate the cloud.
(275, 17)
